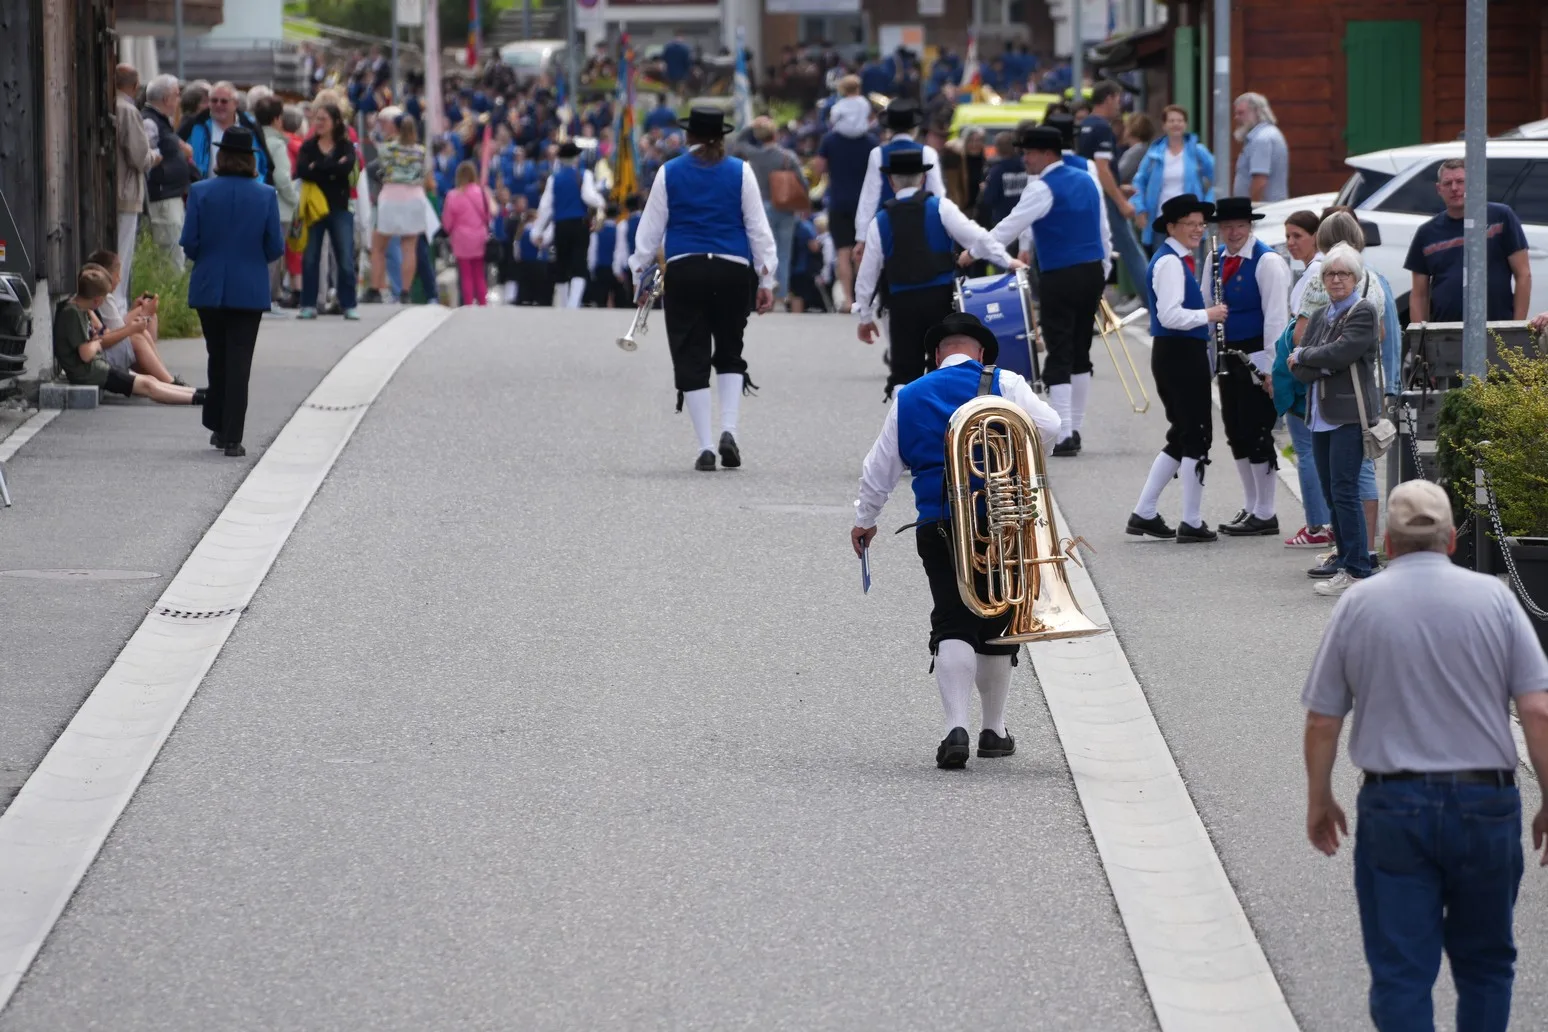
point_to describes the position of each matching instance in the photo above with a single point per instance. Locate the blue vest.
(530, 252)
(924, 410)
(1075, 161)
(634, 229)
(1071, 232)
(896, 144)
(704, 208)
(567, 194)
(1193, 297)
(937, 240)
(1245, 319)
(607, 239)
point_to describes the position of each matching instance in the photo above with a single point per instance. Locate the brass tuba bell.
(1005, 541)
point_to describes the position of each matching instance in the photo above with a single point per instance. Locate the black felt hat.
(1063, 124)
(902, 115)
(1040, 137)
(706, 123)
(1235, 209)
(568, 150)
(905, 161)
(1180, 207)
(237, 139)
(961, 324)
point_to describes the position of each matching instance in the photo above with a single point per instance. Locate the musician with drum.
(1063, 207)
(705, 208)
(911, 241)
(913, 437)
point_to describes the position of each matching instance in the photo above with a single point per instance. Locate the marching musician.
(568, 200)
(607, 290)
(911, 240)
(1255, 284)
(1063, 208)
(902, 119)
(1179, 361)
(913, 437)
(705, 207)
(623, 246)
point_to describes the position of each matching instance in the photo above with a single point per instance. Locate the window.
(1417, 195)
(1531, 199)
(1358, 187)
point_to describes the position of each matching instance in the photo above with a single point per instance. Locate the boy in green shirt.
(79, 353)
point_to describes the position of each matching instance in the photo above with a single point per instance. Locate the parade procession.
(688, 533)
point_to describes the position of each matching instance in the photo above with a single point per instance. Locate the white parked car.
(1394, 193)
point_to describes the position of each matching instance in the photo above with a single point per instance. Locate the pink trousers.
(470, 272)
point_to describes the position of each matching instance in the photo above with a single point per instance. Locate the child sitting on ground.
(80, 357)
(129, 348)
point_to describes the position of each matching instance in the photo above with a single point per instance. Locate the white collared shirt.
(1170, 286)
(871, 187)
(959, 227)
(1273, 275)
(589, 197)
(653, 225)
(1036, 200)
(884, 463)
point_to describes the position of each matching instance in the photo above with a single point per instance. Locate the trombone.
(1109, 326)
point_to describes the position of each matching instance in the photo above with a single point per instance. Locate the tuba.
(1004, 533)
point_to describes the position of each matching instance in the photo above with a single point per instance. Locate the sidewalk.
(126, 488)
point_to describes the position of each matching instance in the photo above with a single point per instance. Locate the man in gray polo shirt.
(1429, 657)
(1263, 167)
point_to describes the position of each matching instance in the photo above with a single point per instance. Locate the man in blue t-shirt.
(677, 57)
(661, 116)
(1435, 258)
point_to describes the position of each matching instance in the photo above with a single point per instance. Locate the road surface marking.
(26, 432)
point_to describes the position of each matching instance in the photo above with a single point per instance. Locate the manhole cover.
(800, 509)
(80, 575)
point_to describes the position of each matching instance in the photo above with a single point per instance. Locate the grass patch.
(154, 273)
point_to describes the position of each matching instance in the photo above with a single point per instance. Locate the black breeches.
(910, 314)
(949, 617)
(1069, 299)
(1180, 366)
(707, 301)
(1246, 409)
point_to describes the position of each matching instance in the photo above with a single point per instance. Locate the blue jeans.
(1129, 251)
(1339, 454)
(394, 263)
(782, 225)
(1313, 501)
(1437, 867)
(340, 227)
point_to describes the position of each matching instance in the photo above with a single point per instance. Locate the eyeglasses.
(1337, 274)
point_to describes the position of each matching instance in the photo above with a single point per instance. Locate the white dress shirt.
(1273, 274)
(1170, 278)
(653, 224)
(589, 197)
(884, 464)
(871, 188)
(621, 251)
(1313, 274)
(1036, 201)
(959, 227)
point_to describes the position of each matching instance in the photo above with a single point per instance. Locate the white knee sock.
(577, 292)
(1268, 486)
(1161, 473)
(1059, 396)
(1244, 469)
(1192, 491)
(730, 387)
(510, 292)
(698, 405)
(955, 668)
(994, 678)
(1080, 390)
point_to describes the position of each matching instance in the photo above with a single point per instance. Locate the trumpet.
(652, 289)
(1109, 326)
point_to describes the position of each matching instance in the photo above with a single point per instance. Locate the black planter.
(1531, 556)
(1464, 555)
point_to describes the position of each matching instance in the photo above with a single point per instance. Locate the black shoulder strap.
(986, 381)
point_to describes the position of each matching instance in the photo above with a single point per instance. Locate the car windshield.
(524, 58)
(1361, 185)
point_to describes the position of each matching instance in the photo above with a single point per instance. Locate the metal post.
(526, 19)
(574, 65)
(397, 89)
(177, 35)
(1222, 97)
(1475, 221)
(1077, 49)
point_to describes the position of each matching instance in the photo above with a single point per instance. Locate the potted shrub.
(1456, 433)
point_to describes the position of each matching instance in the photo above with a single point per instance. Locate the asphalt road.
(533, 727)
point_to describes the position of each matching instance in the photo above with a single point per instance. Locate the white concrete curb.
(26, 432)
(56, 825)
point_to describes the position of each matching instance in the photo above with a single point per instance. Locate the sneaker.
(1188, 534)
(371, 297)
(1326, 569)
(953, 751)
(352, 314)
(1310, 537)
(1337, 584)
(1325, 557)
(307, 313)
(993, 746)
(1155, 527)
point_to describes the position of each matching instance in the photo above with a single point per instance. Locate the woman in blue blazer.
(1192, 170)
(231, 233)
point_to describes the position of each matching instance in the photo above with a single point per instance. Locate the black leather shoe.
(1068, 446)
(1154, 527)
(1241, 515)
(1324, 571)
(991, 745)
(705, 462)
(953, 753)
(216, 442)
(1188, 534)
(1075, 436)
(235, 451)
(199, 396)
(1251, 527)
(730, 454)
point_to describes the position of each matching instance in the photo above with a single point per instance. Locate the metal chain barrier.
(1510, 560)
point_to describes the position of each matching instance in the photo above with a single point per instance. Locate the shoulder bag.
(787, 191)
(1377, 438)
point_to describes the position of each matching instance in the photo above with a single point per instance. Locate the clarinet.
(1221, 350)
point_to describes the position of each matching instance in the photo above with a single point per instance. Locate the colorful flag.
(972, 75)
(475, 34)
(626, 168)
(744, 108)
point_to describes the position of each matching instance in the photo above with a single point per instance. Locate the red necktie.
(1229, 266)
(1188, 261)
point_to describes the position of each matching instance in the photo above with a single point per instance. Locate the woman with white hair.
(1338, 355)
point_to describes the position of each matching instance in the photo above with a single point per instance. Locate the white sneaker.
(1337, 584)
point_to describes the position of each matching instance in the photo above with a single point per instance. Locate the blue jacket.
(199, 140)
(1198, 168)
(231, 232)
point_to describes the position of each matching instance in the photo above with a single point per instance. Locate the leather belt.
(1497, 778)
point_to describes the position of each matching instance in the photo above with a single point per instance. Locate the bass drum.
(1004, 305)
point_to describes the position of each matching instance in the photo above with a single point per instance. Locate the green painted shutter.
(1185, 71)
(1382, 85)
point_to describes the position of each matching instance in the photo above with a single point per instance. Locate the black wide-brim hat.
(902, 115)
(905, 161)
(1180, 207)
(238, 140)
(1040, 137)
(1235, 209)
(962, 324)
(1062, 124)
(568, 149)
(706, 123)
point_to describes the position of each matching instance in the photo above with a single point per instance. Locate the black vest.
(914, 257)
(171, 177)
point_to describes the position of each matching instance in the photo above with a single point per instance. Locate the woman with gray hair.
(1338, 355)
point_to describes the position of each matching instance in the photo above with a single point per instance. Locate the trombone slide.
(1109, 325)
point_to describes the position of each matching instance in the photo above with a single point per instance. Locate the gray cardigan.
(1324, 362)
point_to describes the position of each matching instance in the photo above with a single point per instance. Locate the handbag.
(1378, 438)
(787, 191)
